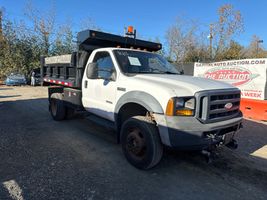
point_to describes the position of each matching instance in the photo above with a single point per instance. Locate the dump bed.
(68, 69)
(59, 69)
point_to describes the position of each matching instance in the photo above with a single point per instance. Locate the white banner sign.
(249, 75)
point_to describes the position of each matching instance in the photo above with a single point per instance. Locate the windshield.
(143, 62)
(15, 74)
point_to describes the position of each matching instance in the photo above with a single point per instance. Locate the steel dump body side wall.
(60, 72)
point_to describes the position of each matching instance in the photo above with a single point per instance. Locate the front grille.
(217, 106)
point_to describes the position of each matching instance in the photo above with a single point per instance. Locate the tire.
(141, 143)
(70, 113)
(57, 108)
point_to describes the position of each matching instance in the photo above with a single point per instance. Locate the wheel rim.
(53, 107)
(136, 144)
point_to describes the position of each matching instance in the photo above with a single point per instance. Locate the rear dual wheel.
(59, 111)
(57, 107)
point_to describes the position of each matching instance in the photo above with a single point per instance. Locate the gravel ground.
(77, 159)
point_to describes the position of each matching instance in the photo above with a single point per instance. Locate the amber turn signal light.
(170, 107)
(184, 112)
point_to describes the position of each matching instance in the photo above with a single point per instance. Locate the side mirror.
(92, 71)
(113, 75)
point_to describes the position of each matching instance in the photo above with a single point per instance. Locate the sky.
(150, 18)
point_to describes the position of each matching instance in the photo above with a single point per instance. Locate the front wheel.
(141, 143)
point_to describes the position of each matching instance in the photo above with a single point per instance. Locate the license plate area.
(228, 137)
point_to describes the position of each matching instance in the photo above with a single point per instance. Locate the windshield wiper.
(162, 72)
(154, 72)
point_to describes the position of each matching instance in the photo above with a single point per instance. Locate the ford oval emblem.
(228, 106)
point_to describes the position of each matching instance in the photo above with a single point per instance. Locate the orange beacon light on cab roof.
(130, 31)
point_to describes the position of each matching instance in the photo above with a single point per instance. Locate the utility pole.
(211, 37)
(257, 50)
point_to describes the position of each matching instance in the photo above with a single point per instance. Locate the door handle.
(85, 84)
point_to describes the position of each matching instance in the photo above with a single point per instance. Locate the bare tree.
(1, 24)
(180, 39)
(64, 43)
(229, 24)
(88, 23)
(255, 48)
(43, 23)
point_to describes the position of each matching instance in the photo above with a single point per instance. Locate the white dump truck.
(123, 81)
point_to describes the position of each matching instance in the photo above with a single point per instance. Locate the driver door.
(99, 95)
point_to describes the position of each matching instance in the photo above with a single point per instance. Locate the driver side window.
(104, 64)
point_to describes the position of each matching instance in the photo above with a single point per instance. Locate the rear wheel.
(141, 143)
(70, 113)
(57, 107)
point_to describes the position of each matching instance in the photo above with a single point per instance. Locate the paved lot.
(77, 159)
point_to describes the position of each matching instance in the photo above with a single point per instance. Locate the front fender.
(144, 99)
(151, 104)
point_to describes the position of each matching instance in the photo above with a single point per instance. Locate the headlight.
(179, 103)
(181, 106)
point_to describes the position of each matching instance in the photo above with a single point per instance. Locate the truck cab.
(146, 98)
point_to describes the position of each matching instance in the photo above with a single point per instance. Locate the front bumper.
(189, 133)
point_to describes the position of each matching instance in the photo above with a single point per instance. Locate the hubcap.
(136, 145)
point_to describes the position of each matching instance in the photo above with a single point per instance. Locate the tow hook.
(232, 145)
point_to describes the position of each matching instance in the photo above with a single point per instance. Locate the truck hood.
(177, 82)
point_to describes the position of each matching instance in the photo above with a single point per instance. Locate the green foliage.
(63, 43)
(21, 49)
(234, 51)
(196, 54)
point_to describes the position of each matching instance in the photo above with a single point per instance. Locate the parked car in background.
(35, 77)
(16, 79)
